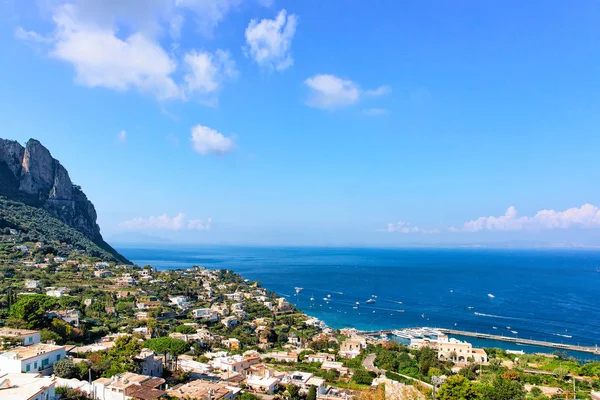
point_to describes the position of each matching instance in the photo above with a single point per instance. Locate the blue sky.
(306, 122)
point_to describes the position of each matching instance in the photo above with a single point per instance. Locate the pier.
(561, 346)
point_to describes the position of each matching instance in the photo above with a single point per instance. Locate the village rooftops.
(12, 332)
(200, 389)
(23, 353)
(24, 386)
(134, 385)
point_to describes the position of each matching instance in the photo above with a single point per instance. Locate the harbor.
(429, 332)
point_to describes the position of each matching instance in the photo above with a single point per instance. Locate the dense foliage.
(37, 225)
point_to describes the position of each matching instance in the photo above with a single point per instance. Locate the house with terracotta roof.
(201, 389)
(128, 386)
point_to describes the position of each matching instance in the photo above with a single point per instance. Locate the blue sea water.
(550, 295)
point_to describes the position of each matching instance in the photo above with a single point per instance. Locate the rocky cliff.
(32, 176)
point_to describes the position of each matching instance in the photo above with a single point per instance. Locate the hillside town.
(77, 327)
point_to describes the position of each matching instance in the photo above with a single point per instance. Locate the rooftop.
(16, 332)
(22, 386)
(31, 351)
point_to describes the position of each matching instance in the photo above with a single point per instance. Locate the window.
(30, 340)
(35, 365)
(45, 362)
(58, 357)
(28, 368)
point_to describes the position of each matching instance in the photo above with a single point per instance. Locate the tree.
(46, 335)
(503, 389)
(511, 375)
(293, 391)
(457, 388)
(312, 393)
(560, 373)
(31, 309)
(248, 396)
(65, 369)
(186, 329)
(167, 345)
(363, 377)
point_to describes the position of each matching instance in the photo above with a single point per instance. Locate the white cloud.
(406, 227)
(269, 41)
(165, 222)
(116, 44)
(31, 36)
(208, 141)
(199, 225)
(586, 216)
(122, 137)
(207, 71)
(331, 92)
(101, 58)
(374, 111)
(380, 91)
(156, 222)
(208, 13)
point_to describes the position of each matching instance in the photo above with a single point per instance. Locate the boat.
(357, 303)
(422, 315)
(355, 307)
(515, 332)
(370, 301)
(470, 307)
(312, 298)
(400, 310)
(491, 296)
(373, 311)
(329, 296)
(298, 289)
(493, 327)
(451, 291)
(373, 296)
(326, 298)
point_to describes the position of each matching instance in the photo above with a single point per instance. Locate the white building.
(263, 384)
(17, 386)
(234, 363)
(304, 380)
(229, 321)
(27, 337)
(32, 284)
(206, 314)
(181, 302)
(128, 386)
(36, 358)
(56, 292)
(451, 349)
(149, 363)
(352, 347)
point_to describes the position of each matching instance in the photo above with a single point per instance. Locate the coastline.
(336, 313)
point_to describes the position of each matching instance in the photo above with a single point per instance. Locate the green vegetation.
(37, 225)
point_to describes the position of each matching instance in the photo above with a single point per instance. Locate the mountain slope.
(37, 225)
(31, 175)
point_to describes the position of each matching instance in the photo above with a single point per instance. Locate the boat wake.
(561, 335)
(493, 316)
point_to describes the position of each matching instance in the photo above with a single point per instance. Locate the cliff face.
(31, 175)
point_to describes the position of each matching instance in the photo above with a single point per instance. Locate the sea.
(542, 294)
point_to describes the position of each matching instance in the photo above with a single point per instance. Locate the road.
(369, 364)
